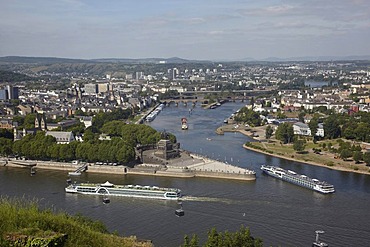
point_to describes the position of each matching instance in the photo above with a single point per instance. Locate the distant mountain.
(318, 58)
(148, 60)
(302, 59)
(42, 60)
(53, 60)
(56, 60)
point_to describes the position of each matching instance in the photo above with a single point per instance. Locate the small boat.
(184, 125)
(179, 212)
(317, 242)
(106, 200)
(33, 171)
(74, 173)
(69, 181)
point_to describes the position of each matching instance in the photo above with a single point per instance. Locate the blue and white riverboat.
(297, 179)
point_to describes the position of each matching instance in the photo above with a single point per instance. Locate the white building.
(303, 129)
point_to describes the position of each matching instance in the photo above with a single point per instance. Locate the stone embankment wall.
(237, 176)
(56, 166)
(147, 169)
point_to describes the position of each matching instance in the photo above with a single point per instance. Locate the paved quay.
(186, 166)
(193, 165)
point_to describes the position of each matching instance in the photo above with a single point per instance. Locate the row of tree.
(240, 238)
(120, 149)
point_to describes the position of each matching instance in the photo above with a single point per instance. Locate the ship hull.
(300, 180)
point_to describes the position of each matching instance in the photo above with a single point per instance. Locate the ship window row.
(172, 194)
(133, 192)
(86, 189)
(303, 183)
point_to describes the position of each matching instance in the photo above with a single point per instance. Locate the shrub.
(330, 163)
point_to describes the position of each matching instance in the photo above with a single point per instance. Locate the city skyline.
(202, 30)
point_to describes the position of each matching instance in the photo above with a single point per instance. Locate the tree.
(241, 238)
(299, 145)
(331, 127)
(186, 241)
(29, 121)
(362, 132)
(345, 154)
(301, 116)
(366, 158)
(248, 116)
(285, 132)
(313, 125)
(269, 131)
(281, 115)
(357, 156)
(251, 102)
(194, 242)
(6, 146)
(213, 238)
(6, 134)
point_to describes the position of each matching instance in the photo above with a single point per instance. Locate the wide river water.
(280, 213)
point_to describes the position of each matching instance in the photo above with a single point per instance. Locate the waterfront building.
(303, 129)
(62, 137)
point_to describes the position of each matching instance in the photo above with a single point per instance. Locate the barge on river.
(301, 180)
(152, 192)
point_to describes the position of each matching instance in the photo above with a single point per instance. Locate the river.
(278, 212)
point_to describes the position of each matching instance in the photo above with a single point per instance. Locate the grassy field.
(323, 158)
(275, 148)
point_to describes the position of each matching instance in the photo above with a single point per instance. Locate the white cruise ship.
(107, 188)
(301, 180)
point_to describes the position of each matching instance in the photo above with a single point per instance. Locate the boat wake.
(207, 199)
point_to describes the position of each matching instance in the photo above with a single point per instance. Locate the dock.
(79, 170)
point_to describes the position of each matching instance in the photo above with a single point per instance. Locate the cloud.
(143, 28)
(216, 32)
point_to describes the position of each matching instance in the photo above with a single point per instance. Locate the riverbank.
(273, 148)
(336, 166)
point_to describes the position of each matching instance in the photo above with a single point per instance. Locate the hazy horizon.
(199, 30)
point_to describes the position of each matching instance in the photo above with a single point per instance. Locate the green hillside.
(24, 224)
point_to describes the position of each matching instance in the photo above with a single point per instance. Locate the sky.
(190, 29)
